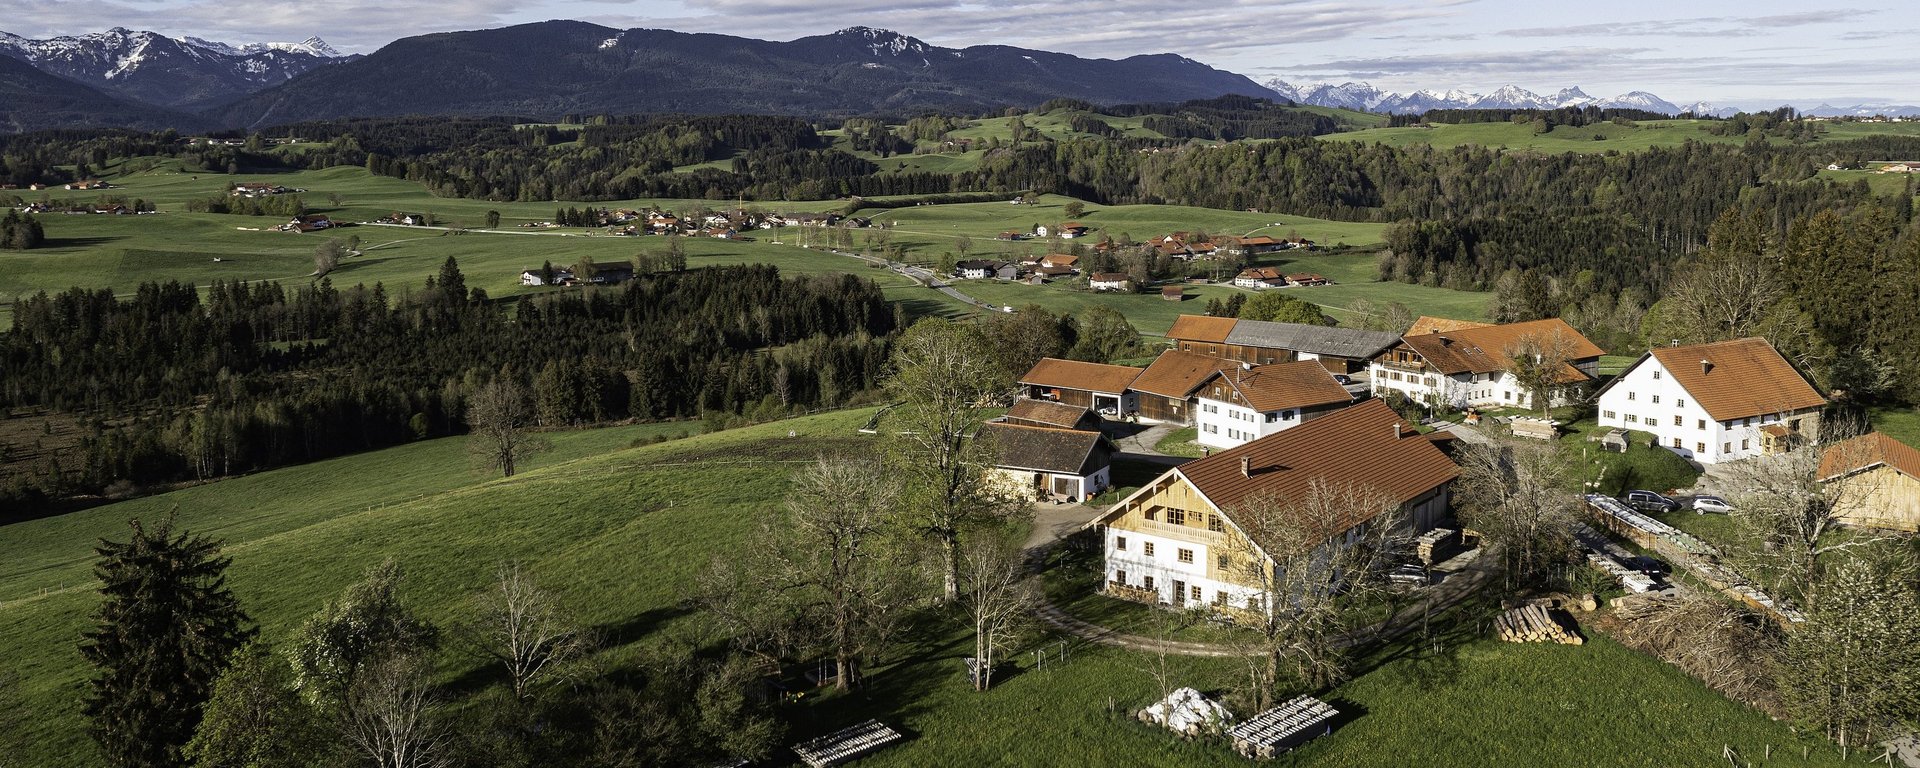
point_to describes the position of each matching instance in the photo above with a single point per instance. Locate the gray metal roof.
(1351, 343)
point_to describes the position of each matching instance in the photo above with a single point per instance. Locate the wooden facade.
(1880, 497)
(1166, 410)
(1238, 353)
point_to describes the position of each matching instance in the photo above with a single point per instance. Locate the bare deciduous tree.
(1539, 363)
(498, 417)
(948, 380)
(1515, 495)
(1789, 519)
(525, 628)
(1000, 595)
(392, 715)
(829, 576)
(326, 257)
(1308, 561)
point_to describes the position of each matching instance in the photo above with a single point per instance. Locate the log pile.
(1437, 545)
(1533, 624)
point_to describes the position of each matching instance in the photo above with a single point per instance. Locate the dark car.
(1648, 501)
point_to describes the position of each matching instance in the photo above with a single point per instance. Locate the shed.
(1173, 293)
(1615, 441)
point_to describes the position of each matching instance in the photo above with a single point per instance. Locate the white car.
(1705, 504)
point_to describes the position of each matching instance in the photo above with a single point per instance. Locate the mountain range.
(568, 67)
(1367, 98)
(180, 73)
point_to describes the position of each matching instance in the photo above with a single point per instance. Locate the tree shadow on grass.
(78, 242)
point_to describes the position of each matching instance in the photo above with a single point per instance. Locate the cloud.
(1716, 26)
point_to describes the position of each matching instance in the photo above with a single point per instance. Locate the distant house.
(1716, 402)
(1175, 542)
(257, 189)
(1260, 277)
(1109, 281)
(89, 184)
(1047, 413)
(1040, 230)
(537, 277)
(1067, 260)
(1063, 464)
(1258, 342)
(1306, 279)
(1173, 293)
(406, 219)
(312, 222)
(1009, 236)
(609, 273)
(1105, 389)
(1240, 405)
(1874, 481)
(1260, 244)
(976, 269)
(1072, 229)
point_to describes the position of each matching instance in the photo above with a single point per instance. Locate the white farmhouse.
(1716, 402)
(1467, 365)
(1240, 405)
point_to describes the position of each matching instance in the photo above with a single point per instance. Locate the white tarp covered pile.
(1188, 713)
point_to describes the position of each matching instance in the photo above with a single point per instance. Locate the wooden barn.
(1103, 389)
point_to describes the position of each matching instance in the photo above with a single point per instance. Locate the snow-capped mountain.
(156, 69)
(1862, 110)
(1367, 98)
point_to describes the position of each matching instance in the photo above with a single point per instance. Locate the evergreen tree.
(166, 630)
(452, 282)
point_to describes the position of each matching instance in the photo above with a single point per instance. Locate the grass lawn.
(1180, 442)
(1901, 424)
(620, 532)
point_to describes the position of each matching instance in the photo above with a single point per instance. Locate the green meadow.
(621, 533)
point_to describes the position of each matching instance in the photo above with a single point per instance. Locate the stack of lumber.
(1533, 624)
(845, 744)
(1635, 581)
(1282, 728)
(1436, 546)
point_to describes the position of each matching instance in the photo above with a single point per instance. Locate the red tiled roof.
(1177, 374)
(1483, 348)
(1867, 451)
(1279, 386)
(1355, 446)
(1204, 328)
(1074, 374)
(1426, 325)
(1741, 378)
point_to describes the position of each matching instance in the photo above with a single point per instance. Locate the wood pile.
(1437, 545)
(1533, 624)
(1282, 728)
(1635, 581)
(845, 744)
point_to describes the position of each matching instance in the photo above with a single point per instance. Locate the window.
(1120, 543)
(1195, 591)
(1699, 447)
(1211, 429)
(1679, 421)
(1219, 599)
(1507, 395)
(1656, 375)
(1610, 415)
(1656, 399)
(1273, 417)
(1746, 445)
(1652, 421)
(1676, 444)
(1726, 447)
(1214, 524)
(1119, 577)
(1176, 517)
(1427, 381)
(1632, 419)
(1146, 548)
(1223, 562)
(1702, 423)
(1150, 513)
(1630, 395)
(1679, 403)
(1149, 582)
(1286, 415)
(1185, 555)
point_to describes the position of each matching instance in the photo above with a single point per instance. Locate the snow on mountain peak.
(885, 42)
(1362, 96)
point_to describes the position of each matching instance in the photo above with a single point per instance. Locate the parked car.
(1705, 504)
(1648, 501)
(1342, 379)
(1409, 574)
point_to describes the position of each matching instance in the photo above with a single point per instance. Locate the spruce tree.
(165, 631)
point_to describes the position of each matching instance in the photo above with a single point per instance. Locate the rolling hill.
(32, 100)
(554, 68)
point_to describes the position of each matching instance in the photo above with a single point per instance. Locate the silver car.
(1705, 504)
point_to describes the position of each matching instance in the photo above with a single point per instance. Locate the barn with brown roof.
(1722, 401)
(1050, 463)
(1175, 542)
(1873, 481)
(1046, 413)
(1166, 388)
(1104, 389)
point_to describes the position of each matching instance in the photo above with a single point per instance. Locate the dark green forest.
(176, 386)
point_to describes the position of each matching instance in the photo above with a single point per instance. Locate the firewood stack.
(1533, 624)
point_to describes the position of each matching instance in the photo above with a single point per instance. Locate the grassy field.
(934, 228)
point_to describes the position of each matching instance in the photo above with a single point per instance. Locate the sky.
(1755, 53)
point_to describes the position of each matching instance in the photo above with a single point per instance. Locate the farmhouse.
(1166, 388)
(1066, 260)
(312, 222)
(1174, 542)
(1471, 366)
(1104, 389)
(1046, 413)
(257, 189)
(1260, 277)
(1715, 402)
(978, 269)
(1874, 481)
(1340, 350)
(1109, 281)
(1050, 463)
(1239, 405)
(560, 276)
(609, 273)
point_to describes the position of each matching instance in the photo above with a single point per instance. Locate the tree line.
(174, 386)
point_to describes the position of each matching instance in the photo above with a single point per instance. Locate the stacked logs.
(1533, 624)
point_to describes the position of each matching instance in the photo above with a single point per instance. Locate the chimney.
(1246, 466)
(1396, 430)
(1446, 342)
(1706, 366)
